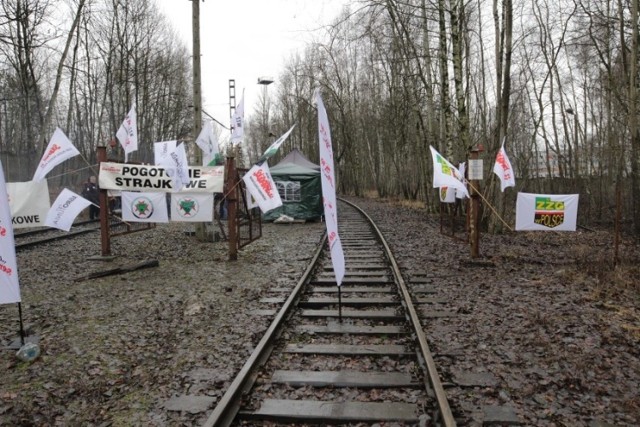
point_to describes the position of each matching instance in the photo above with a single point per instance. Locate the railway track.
(352, 355)
(38, 236)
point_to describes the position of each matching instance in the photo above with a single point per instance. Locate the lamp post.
(265, 81)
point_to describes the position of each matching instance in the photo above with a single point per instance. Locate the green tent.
(298, 182)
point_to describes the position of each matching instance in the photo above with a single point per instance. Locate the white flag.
(144, 207)
(445, 174)
(328, 182)
(260, 185)
(58, 150)
(192, 207)
(208, 143)
(128, 132)
(251, 201)
(162, 151)
(176, 167)
(237, 123)
(28, 202)
(546, 212)
(447, 195)
(65, 209)
(503, 169)
(9, 284)
(273, 148)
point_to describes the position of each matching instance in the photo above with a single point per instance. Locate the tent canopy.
(298, 182)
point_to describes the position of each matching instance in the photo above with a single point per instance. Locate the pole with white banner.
(328, 181)
(9, 283)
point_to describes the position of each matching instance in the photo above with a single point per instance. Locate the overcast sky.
(245, 40)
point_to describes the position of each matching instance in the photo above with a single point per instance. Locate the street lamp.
(265, 81)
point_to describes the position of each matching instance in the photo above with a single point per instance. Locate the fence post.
(105, 238)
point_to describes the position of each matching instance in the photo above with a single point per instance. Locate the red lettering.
(52, 150)
(264, 182)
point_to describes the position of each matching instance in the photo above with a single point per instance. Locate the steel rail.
(228, 406)
(445, 411)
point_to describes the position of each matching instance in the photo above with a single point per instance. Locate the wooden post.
(105, 237)
(231, 193)
(474, 209)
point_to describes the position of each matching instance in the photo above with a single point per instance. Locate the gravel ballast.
(541, 324)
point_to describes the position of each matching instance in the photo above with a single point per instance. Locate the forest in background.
(556, 81)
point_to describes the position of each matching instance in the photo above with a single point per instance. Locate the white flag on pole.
(208, 143)
(503, 169)
(59, 149)
(328, 182)
(128, 132)
(65, 209)
(237, 123)
(144, 207)
(162, 151)
(260, 185)
(177, 168)
(9, 284)
(445, 174)
(273, 148)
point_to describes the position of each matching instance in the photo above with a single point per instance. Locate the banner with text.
(546, 212)
(9, 283)
(65, 209)
(328, 183)
(260, 185)
(29, 203)
(129, 177)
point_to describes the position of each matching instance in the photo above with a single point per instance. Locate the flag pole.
(22, 334)
(340, 303)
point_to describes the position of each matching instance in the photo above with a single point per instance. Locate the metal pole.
(105, 235)
(22, 334)
(474, 232)
(340, 303)
(231, 192)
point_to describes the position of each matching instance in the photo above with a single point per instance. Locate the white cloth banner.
(191, 207)
(128, 132)
(447, 195)
(237, 123)
(28, 202)
(546, 212)
(445, 174)
(162, 151)
(9, 284)
(503, 169)
(260, 185)
(59, 149)
(273, 148)
(208, 143)
(328, 182)
(65, 209)
(176, 166)
(130, 177)
(144, 207)
(251, 201)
